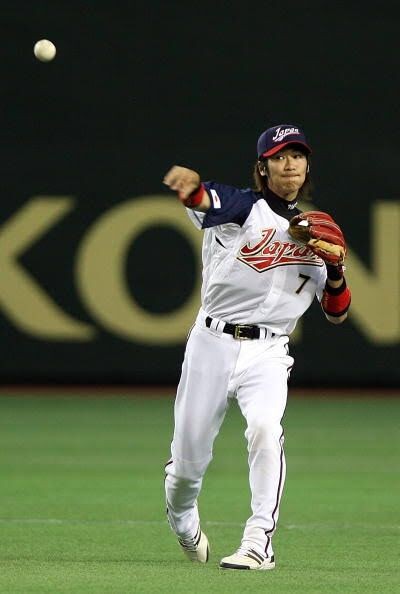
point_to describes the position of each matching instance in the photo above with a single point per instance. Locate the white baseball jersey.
(253, 271)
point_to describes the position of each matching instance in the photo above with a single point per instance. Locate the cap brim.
(279, 147)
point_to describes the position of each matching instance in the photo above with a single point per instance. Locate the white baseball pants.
(218, 367)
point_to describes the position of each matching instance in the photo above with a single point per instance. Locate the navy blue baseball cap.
(276, 138)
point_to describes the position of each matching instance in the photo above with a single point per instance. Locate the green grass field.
(82, 500)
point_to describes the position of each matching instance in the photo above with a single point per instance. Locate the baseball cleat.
(197, 548)
(247, 559)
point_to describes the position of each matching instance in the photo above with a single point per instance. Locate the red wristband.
(335, 302)
(194, 198)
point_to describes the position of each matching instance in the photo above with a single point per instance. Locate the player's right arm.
(187, 183)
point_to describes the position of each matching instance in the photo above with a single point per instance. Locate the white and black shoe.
(247, 558)
(197, 548)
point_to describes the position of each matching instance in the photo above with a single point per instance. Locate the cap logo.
(280, 133)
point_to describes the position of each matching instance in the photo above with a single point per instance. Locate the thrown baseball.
(303, 223)
(44, 50)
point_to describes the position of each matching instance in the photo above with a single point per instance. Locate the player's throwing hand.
(182, 180)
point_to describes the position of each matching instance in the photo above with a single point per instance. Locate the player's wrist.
(336, 301)
(336, 289)
(334, 273)
(194, 198)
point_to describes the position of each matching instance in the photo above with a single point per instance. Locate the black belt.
(240, 331)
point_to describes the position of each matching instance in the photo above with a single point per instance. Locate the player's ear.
(262, 168)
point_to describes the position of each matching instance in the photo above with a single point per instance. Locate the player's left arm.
(336, 296)
(187, 183)
(325, 238)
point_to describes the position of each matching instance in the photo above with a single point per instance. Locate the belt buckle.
(238, 332)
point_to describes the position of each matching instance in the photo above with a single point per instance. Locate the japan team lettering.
(282, 133)
(268, 254)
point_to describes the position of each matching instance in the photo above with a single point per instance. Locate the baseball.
(303, 223)
(44, 50)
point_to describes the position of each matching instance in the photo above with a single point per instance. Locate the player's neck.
(287, 196)
(284, 208)
(290, 197)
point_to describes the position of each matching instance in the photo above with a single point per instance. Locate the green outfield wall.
(100, 267)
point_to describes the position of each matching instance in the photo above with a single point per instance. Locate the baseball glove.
(320, 232)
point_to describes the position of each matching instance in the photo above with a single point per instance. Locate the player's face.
(287, 172)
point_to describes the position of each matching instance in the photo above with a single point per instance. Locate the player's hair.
(261, 181)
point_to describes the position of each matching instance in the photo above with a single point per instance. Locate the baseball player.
(257, 282)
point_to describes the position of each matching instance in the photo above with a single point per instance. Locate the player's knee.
(263, 434)
(187, 471)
